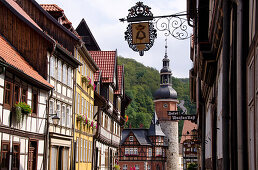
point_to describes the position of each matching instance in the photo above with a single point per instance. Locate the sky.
(102, 17)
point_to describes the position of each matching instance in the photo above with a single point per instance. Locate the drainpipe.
(73, 125)
(225, 83)
(241, 89)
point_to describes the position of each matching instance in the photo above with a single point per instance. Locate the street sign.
(183, 117)
(173, 113)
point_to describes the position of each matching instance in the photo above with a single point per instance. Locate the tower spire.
(166, 47)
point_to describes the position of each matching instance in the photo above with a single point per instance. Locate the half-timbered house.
(59, 69)
(143, 148)
(24, 89)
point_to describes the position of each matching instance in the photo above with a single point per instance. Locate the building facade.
(24, 90)
(143, 148)
(85, 125)
(223, 82)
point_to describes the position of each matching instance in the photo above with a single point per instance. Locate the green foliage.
(21, 109)
(140, 84)
(192, 166)
(117, 167)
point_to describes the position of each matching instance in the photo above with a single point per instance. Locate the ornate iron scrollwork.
(139, 12)
(174, 26)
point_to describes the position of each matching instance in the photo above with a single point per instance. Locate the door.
(32, 157)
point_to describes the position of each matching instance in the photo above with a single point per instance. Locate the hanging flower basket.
(21, 109)
(80, 119)
(85, 80)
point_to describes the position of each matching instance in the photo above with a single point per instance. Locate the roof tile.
(51, 7)
(106, 61)
(188, 126)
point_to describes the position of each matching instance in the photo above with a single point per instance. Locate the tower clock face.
(165, 105)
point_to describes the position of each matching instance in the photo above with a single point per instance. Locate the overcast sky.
(102, 16)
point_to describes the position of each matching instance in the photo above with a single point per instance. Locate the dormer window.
(131, 138)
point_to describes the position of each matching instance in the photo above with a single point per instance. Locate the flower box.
(21, 109)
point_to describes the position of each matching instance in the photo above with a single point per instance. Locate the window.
(137, 167)
(16, 94)
(63, 116)
(77, 149)
(59, 68)
(69, 78)
(78, 103)
(111, 95)
(24, 94)
(86, 157)
(5, 153)
(51, 108)
(82, 105)
(131, 151)
(158, 152)
(119, 104)
(16, 156)
(85, 151)
(87, 109)
(8, 94)
(126, 151)
(64, 74)
(124, 167)
(89, 156)
(34, 102)
(68, 116)
(150, 152)
(135, 151)
(58, 108)
(81, 153)
(53, 157)
(149, 167)
(52, 66)
(131, 138)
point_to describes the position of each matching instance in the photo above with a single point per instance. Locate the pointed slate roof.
(155, 129)
(140, 134)
(106, 61)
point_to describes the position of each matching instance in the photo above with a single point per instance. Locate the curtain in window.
(65, 158)
(53, 157)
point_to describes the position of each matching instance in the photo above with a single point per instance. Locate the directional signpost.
(176, 115)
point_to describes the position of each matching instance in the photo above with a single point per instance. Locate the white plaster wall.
(1, 95)
(6, 117)
(170, 129)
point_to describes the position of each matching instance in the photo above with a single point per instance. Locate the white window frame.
(59, 70)
(137, 167)
(150, 152)
(131, 151)
(51, 108)
(130, 138)
(81, 152)
(126, 151)
(69, 77)
(58, 110)
(68, 115)
(64, 79)
(77, 150)
(124, 167)
(52, 66)
(135, 151)
(86, 151)
(63, 115)
(78, 103)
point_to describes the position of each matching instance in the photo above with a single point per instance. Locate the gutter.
(242, 26)
(225, 83)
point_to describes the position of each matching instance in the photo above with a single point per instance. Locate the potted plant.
(117, 167)
(21, 109)
(84, 79)
(80, 118)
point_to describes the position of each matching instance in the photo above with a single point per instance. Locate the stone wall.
(170, 128)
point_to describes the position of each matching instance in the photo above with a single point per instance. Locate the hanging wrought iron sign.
(142, 29)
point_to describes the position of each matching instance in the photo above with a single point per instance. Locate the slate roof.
(51, 7)
(106, 61)
(14, 59)
(155, 129)
(120, 75)
(140, 134)
(188, 126)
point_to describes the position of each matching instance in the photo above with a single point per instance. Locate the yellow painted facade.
(84, 106)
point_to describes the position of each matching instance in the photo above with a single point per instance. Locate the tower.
(166, 100)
